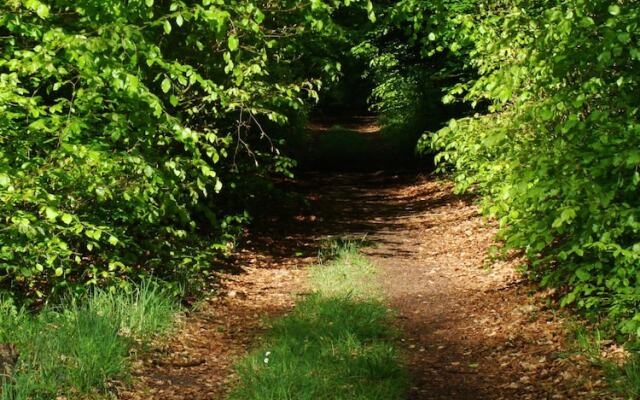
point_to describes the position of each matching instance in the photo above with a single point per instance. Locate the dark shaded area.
(343, 133)
(353, 140)
(330, 204)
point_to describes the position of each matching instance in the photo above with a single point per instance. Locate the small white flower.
(267, 354)
(266, 360)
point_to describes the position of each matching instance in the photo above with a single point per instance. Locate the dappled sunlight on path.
(472, 329)
(469, 332)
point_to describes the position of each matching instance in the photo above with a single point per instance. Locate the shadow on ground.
(468, 332)
(356, 142)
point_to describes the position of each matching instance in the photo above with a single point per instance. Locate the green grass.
(77, 349)
(623, 380)
(343, 271)
(337, 343)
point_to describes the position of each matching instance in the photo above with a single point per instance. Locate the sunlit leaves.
(4, 180)
(166, 85)
(233, 43)
(66, 218)
(555, 152)
(117, 126)
(614, 9)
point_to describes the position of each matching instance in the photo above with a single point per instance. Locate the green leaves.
(166, 85)
(51, 214)
(583, 274)
(4, 180)
(116, 129)
(66, 218)
(562, 82)
(42, 10)
(233, 43)
(614, 9)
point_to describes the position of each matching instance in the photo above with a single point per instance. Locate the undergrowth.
(75, 350)
(626, 379)
(623, 376)
(337, 343)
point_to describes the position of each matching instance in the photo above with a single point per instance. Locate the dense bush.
(120, 122)
(555, 146)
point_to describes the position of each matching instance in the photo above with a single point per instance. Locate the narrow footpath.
(472, 329)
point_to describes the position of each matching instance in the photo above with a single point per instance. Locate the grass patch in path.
(338, 343)
(75, 350)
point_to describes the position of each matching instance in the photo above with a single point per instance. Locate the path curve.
(471, 330)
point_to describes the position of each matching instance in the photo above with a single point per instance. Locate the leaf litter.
(472, 329)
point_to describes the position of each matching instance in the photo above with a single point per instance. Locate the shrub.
(119, 122)
(555, 155)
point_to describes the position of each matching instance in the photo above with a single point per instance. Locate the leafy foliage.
(554, 145)
(123, 124)
(410, 67)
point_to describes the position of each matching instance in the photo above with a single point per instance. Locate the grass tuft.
(141, 313)
(338, 343)
(623, 378)
(76, 349)
(348, 274)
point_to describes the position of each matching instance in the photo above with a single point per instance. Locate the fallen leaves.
(197, 363)
(471, 329)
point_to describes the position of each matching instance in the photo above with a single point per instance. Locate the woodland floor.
(471, 329)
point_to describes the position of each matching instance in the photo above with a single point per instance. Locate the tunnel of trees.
(138, 138)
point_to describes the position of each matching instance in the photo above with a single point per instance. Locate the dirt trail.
(469, 332)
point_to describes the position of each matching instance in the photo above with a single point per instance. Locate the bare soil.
(472, 329)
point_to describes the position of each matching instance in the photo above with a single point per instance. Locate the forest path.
(469, 332)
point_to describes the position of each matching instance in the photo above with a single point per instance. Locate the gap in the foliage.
(343, 133)
(364, 122)
(344, 138)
